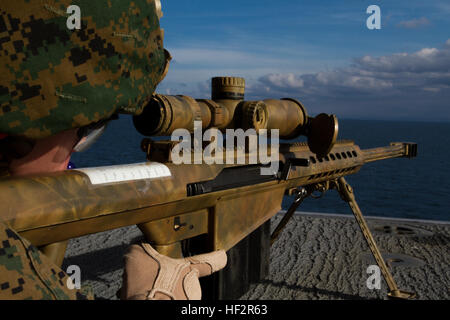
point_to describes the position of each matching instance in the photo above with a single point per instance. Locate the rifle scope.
(227, 109)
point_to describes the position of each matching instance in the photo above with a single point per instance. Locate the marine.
(59, 88)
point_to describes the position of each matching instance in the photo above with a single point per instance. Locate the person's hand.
(149, 275)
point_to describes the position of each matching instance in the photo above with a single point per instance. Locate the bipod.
(346, 193)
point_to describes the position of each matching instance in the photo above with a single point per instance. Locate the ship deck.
(318, 256)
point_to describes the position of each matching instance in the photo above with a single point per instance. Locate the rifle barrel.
(395, 150)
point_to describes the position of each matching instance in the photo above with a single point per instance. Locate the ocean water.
(416, 188)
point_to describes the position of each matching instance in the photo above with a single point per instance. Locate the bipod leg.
(346, 193)
(301, 195)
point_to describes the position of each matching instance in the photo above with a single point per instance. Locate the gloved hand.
(149, 275)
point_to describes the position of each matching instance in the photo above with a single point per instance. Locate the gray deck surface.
(316, 257)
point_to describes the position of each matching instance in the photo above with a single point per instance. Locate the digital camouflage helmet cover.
(54, 79)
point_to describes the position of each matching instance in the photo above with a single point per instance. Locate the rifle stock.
(224, 202)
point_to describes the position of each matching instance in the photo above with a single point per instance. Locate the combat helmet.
(54, 77)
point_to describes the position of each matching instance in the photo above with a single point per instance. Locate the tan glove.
(149, 275)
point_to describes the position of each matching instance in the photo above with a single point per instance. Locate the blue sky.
(320, 52)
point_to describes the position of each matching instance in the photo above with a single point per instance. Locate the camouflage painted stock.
(194, 200)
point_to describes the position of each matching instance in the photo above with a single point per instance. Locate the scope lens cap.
(323, 131)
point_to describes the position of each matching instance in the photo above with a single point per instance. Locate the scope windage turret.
(228, 110)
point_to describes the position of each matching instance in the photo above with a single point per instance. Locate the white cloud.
(414, 23)
(403, 85)
(407, 85)
(282, 80)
